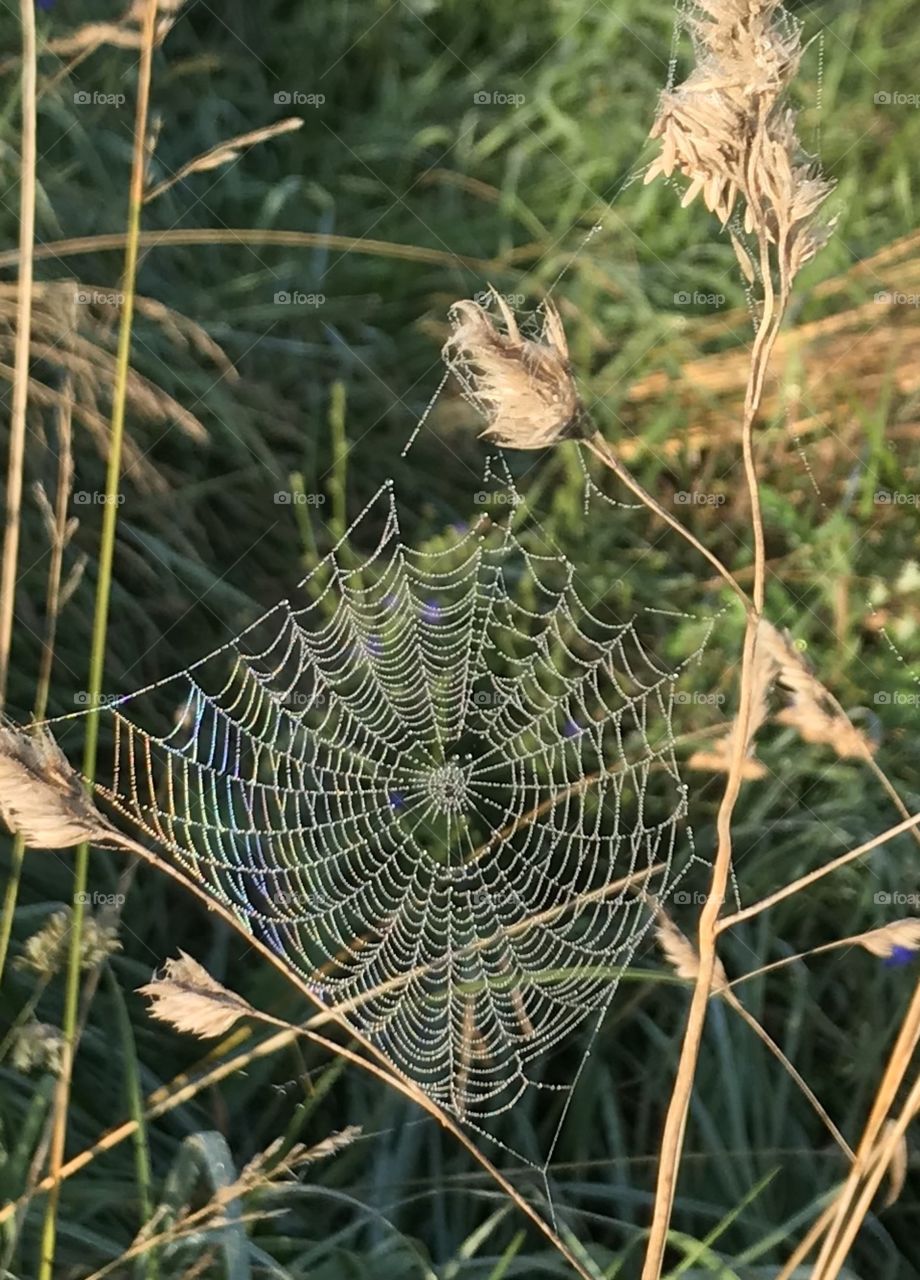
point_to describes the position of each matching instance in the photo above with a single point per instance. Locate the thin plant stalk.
(27, 180)
(855, 1203)
(97, 655)
(678, 1108)
(845, 1215)
(601, 449)
(728, 922)
(52, 610)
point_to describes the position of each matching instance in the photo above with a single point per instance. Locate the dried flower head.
(38, 1046)
(41, 797)
(46, 952)
(193, 1001)
(812, 710)
(728, 131)
(523, 387)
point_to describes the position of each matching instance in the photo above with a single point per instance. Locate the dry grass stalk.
(796, 886)
(27, 185)
(811, 711)
(897, 1168)
(729, 131)
(125, 33)
(683, 957)
(526, 392)
(892, 940)
(160, 1102)
(717, 759)
(862, 1185)
(259, 1176)
(224, 153)
(192, 1001)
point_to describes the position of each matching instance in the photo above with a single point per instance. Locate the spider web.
(436, 785)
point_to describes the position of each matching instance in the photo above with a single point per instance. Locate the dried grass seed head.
(46, 951)
(189, 998)
(726, 129)
(523, 387)
(41, 797)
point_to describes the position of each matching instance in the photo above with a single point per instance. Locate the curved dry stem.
(767, 1040)
(679, 1106)
(113, 241)
(788, 890)
(602, 450)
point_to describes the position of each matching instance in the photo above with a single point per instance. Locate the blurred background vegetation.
(453, 145)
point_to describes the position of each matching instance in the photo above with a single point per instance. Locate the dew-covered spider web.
(437, 785)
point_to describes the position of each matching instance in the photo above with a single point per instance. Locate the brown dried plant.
(728, 130)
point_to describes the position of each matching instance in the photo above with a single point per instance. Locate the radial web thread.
(421, 783)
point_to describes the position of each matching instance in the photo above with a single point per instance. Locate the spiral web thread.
(419, 783)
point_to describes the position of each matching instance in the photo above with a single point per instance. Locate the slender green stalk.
(100, 622)
(147, 1264)
(339, 473)
(52, 609)
(27, 169)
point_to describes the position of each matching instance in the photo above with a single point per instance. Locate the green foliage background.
(401, 151)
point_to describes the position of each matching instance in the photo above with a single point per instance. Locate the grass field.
(291, 306)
